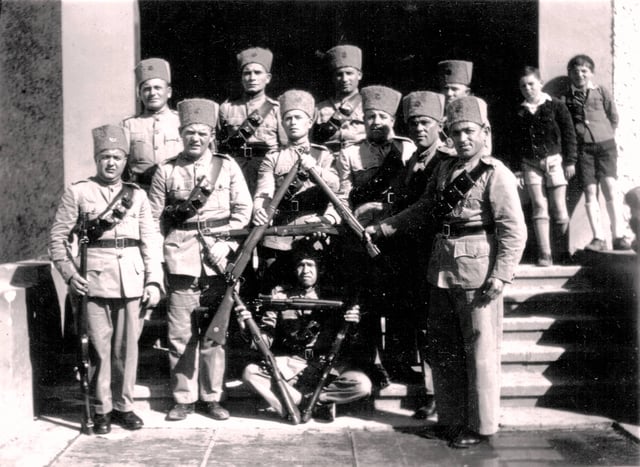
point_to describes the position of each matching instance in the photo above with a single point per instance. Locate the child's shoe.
(621, 243)
(596, 245)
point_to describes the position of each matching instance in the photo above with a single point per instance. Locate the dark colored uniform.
(299, 339)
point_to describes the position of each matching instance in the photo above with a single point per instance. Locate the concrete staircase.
(570, 341)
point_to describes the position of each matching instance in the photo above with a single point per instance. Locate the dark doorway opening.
(402, 42)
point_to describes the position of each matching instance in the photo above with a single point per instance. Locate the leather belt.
(458, 230)
(199, 225)
(115, 243)
(248, 151)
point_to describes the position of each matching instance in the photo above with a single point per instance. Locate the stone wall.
(31, 138)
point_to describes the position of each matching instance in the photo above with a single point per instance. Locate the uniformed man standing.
(340, 119)
(359, 163)
(250, 126)
(424, 113)
(304, 202)
(192, 194)
(473, 202)
(153, 134)
(363, 181)
(123, 272)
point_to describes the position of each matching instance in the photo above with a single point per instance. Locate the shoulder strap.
(253, 121)
(455, 191)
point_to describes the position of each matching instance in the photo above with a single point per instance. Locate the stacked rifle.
(217, 330)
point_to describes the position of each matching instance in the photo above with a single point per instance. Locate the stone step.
(528, 275)
(514, 351)
(552, 300)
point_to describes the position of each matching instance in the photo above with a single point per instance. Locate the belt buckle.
(200, 225)
(247, 151)
(295, 205)
(308, 354)
(446, 230)
(120, 243)
(391, 197)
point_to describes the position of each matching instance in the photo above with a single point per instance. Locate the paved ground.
(529, 437)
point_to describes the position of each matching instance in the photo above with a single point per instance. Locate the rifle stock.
(217, 330)
(345, 213)
(86, 425)
(285, 396)
(330, 360)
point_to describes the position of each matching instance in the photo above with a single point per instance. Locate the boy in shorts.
(546, 142)
(595, 118)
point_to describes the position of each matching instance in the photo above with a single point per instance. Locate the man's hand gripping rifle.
(217, 330)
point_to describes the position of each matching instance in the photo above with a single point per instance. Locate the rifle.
(83, 344)
(345, 213)
(278, 230)
(217, 329)
(285, 397)
(296, 303)
(329, 361)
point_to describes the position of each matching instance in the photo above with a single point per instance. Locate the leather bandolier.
(235, 141)
(380, 187)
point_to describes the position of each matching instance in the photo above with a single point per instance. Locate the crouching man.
(300, 339)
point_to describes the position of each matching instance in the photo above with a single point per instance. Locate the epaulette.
(319, 147)
(447, 150)
(222, 155)
(355, 142)
(273, 101)
(402, 138)
(488, 159)
(80, 181)
(170, 159)
(129, 118)
(131, 184)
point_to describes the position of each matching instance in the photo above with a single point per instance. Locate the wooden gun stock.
(285, 396)
(217, 330)
(330, 360)
(345, 213)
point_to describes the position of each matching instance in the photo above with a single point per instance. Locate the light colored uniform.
(352, 128)
(465, 337)
(269, 135)
(197, 368)
(358, 163)
(308, 199)
(117, 277)
(152, 139)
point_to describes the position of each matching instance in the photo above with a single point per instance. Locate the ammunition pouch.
(176, 214)
(97, 227)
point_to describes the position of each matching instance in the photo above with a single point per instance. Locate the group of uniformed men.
(444, 212)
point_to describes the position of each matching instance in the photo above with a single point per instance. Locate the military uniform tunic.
(358, 163)
(117, 277)
(352, 128)
(307, 199)
(465, 334)
(269, 135)
(153, 138)
(299, 339)
(196, 367)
